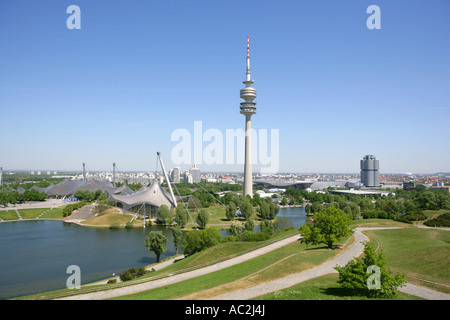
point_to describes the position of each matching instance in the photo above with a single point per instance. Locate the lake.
(34, 255)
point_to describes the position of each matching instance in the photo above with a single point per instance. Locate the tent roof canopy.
(154, 195)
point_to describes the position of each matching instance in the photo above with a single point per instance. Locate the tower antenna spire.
(248, 46)
(248, 60)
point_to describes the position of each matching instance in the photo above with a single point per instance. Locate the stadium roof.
(69, 187)
(154, 195)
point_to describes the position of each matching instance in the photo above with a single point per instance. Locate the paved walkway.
(183, 276)
(328, 267)
(48, 203)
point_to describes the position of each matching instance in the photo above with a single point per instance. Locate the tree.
(85, 195)
(316, 207)
(202, 218)
(210, 237)
(236, 230)
(249, 225)
(369, 276)
(181, 216)
(156, 242)
(274, 209)
(308, 208)
(226, 199)
(164, 215)
(197, 240)
(282, 224)
(230, 211)
(264, 210)
(246, 208)
(330, 225)
(191, 242)
(177, 236)
(267, 226)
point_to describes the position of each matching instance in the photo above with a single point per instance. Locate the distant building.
(195, 173)
(411, 185)
(187, 178)
(370, 176)
(439, 186)
(175, 175)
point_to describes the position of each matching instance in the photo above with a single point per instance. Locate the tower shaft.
(248, 179)
(248, 109)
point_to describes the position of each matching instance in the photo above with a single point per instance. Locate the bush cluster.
(377, 214)
(132, 273)
(409, 218)
(198, 240)
(441, 221)
(67, 211)
(254, 236)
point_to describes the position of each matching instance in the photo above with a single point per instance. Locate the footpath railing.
(112, 286)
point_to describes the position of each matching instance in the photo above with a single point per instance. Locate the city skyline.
(116, 89)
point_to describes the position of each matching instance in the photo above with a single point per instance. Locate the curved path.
(355, 250)
(325, 268)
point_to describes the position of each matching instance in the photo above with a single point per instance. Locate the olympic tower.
(248, 108)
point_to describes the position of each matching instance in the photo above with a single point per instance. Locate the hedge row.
(441, 221)
(67, 211)
(409, 218)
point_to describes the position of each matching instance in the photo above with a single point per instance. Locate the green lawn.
(292, 258)
(31, 213)
(108, 219)
(9, 215)
(371, 223)
(323, 288)
(423, 254)
(221, 251)
(55, 213)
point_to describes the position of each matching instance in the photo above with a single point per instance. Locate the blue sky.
(115, 90)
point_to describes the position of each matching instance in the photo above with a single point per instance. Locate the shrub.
(257, 236)
(132, 273)
(68, 209)
(267, 226)
(129, 225)
(409, 218)
(441, 221)
(230, 238)
(249, 225)
(374, 214)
